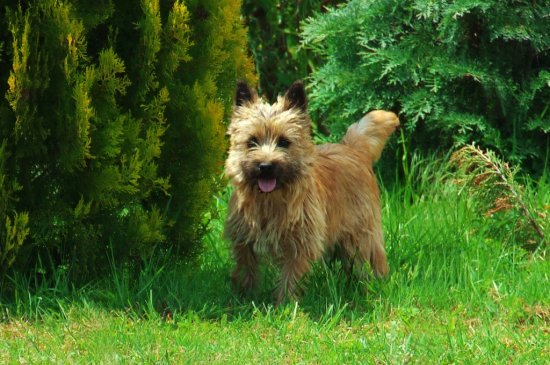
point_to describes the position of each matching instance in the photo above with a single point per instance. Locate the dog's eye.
(252, 142)
(283, 142)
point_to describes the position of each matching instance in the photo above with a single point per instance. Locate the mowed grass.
(461, 290)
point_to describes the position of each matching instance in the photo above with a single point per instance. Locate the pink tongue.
(267, 185)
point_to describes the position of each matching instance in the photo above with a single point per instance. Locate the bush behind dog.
(455, 71)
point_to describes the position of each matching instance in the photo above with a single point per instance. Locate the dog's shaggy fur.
(294, 201)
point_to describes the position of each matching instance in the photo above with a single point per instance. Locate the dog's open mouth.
(267, 185)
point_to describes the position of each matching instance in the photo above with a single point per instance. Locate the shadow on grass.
(206, 291)
(168, 289)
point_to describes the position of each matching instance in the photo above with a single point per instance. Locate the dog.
(294, 201)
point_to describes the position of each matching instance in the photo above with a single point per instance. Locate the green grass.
(460, 291)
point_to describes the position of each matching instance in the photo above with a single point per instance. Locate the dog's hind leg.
(378, 260)
(367, 247)
(337, 254)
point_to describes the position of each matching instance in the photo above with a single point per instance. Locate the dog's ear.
(295, 97)
(244, 94)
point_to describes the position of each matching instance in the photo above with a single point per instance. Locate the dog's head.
(271, 145)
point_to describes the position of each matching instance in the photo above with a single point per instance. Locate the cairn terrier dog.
(294, 201)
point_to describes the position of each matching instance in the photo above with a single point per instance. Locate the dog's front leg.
(293, 269)
(246, 272)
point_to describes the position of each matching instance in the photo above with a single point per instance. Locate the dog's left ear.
(295, 97)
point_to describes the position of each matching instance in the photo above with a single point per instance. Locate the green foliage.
(274, 33)
(202, 98)
(494, 184)
(14, 231)
(456, 71)
(113, 124)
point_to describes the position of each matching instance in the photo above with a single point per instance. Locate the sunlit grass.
(459, 292)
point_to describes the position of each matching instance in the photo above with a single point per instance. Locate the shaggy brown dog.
(293, 201)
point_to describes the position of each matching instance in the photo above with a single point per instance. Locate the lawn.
(462, 289)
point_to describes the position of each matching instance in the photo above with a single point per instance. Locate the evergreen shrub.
(274, 37)
(112, 125)
(457, 71)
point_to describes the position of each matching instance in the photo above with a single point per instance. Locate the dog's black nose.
(266, 167)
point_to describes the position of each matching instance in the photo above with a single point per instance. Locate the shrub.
(202, 97)
(456, 71)
(112, 124)
(274, 34)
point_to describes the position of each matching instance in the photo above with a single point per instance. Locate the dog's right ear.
(244, 94)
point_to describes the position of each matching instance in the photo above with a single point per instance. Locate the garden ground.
(462, 290)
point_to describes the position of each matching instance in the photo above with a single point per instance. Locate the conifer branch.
(493, 180)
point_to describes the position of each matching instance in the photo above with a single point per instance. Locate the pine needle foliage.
(13, 225)
(112, 125)
(201, 100)
(274, 34)
(457, 71)
(494, 184)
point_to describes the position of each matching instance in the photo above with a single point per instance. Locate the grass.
(460, 291)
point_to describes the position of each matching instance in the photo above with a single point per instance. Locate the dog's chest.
(264, 247)
(277, 229)
(267, 236)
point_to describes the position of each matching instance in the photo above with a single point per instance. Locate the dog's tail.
(371, 132)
